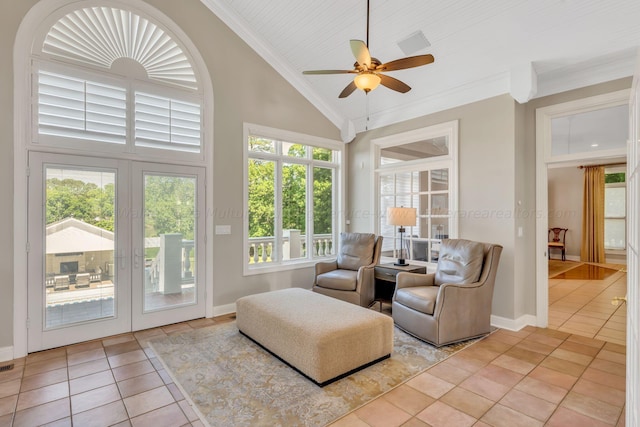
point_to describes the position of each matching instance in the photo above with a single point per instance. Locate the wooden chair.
(557, 240)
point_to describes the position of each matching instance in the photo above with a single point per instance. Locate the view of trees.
(294, 191)
(72, 198)
(169, 204)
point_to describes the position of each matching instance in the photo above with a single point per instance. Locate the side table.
(385, 277)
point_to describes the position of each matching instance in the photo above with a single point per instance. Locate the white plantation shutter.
(78, 108)
(167, 123)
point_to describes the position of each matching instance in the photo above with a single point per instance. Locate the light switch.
(223, 229)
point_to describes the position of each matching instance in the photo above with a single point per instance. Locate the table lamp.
(401, 216)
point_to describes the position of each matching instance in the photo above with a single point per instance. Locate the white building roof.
(72, 235)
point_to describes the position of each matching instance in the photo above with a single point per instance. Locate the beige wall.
(246, 89)
(565, 206)
(497, 184)
(486, 181)
(497, 166)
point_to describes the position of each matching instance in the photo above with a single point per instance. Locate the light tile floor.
(583, 307)
(532, 377)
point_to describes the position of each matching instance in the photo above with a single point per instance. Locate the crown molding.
(610, 67)
(478, 90)
(240, 27)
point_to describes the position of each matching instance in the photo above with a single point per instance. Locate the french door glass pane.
(80, 278)
(322, 211)
(294, 210)
(169, 244)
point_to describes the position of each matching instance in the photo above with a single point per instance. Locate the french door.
(113, 247)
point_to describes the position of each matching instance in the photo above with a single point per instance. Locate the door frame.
(82, 331)
(139, 319)
(544, 159)
(129, 289)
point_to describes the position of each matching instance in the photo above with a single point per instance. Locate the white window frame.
(338, 194)
(448, 161)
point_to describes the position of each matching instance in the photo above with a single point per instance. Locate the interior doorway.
(575, 145)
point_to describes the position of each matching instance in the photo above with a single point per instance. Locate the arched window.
(109, 79)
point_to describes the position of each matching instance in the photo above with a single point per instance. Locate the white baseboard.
(575, 258)
(513, 324)
(221, 310)
(6, 353)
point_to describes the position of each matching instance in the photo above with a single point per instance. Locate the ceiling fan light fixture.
(367, 81)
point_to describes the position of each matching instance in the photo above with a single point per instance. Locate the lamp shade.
(367, 81)
(401, 216)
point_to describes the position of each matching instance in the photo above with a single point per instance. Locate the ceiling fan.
(369, 70)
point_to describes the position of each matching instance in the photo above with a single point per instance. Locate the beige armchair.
(454, 303)
(351, 276)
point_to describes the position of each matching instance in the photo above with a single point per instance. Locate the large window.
(292, 196)
(109, 80)
(418, 169)
(615, 209)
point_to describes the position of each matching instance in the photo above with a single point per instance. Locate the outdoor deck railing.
(261, 249)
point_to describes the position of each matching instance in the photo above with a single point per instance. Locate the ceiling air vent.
(414, 43)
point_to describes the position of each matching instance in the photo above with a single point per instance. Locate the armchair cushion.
(356, 250)
(342, 280)
(421, 298)
(460, 261)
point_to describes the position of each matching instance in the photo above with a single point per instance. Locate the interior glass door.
(78, 272)
(168, 267)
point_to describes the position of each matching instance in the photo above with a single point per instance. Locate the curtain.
(592, 249)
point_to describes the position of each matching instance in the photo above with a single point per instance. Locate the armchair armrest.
(410, 280)
(325, 267)
(462, 298)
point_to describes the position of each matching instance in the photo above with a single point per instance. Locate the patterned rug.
(231, 381)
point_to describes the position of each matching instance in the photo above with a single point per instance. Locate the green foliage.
(169, 205)
(261, 198)
(610, 178)
(71, 198)
(294, 191)
(322, 200)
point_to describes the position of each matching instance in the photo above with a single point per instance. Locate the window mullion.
(276, 255)
(310, 211)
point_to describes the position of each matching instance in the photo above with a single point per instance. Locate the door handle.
(618, 300)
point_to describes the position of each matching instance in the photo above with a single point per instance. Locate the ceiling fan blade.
(348, 90)
(404, 63)
(361, 52)
(329, 72)
(394, 84)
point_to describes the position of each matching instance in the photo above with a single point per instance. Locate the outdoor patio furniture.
(61, 282)
(83, 280)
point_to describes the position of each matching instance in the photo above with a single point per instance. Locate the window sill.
(276, 268)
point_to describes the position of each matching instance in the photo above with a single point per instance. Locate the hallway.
(580, 301)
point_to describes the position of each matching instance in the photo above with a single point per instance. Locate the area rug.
(231, 381)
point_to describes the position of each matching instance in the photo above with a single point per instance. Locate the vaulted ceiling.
(482, 48)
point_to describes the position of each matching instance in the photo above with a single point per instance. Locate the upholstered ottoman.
(322, 337)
